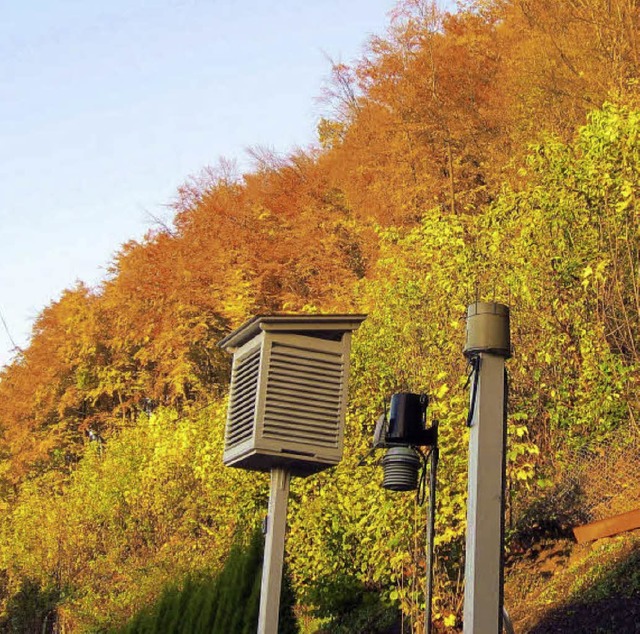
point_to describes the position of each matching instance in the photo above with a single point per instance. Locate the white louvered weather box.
(288, 392)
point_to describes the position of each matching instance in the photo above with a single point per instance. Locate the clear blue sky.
(107, 107)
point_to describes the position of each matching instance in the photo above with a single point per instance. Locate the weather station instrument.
(287, 404)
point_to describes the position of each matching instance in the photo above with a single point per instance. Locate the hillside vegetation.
(494, 154)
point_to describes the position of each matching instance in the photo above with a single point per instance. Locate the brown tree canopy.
(433, 116)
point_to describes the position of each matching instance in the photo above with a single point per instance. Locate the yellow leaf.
(442, 390)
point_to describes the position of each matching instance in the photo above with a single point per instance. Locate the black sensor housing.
(407, 421)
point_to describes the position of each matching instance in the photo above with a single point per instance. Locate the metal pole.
(488, 343)
(435, 452)
(274, 552)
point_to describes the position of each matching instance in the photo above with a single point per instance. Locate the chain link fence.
(603, 479)
(597, 481)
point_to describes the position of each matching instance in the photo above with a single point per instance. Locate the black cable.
(363, 460)
(421, 491)
(474, 374)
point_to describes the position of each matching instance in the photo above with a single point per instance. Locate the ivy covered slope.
(492, 152)
(556, 247)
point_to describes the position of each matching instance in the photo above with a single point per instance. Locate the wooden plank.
(607, 527)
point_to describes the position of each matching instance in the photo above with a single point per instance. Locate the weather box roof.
(330, 327)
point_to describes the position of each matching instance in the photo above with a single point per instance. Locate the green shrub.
(347, 606)
(227, 603)
(31, 609)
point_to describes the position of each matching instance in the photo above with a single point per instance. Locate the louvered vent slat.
(277, 418)
(306, 436)
(314, 359)
(304, 396)
(300, 387)
(284, 367)
(244, 389)
(306, 408)
(247, 370)
(300, 384)
(298, 417)
(293, 378)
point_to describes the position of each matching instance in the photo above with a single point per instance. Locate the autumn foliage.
(492, 153)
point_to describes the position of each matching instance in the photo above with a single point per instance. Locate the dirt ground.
(557, 586)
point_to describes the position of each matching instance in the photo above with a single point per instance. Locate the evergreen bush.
(227, 603)
(31, 609)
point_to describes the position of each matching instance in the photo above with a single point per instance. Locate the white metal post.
(483, 563)
(274, 552)
(488, 345)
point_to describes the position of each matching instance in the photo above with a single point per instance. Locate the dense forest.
(492, 153)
